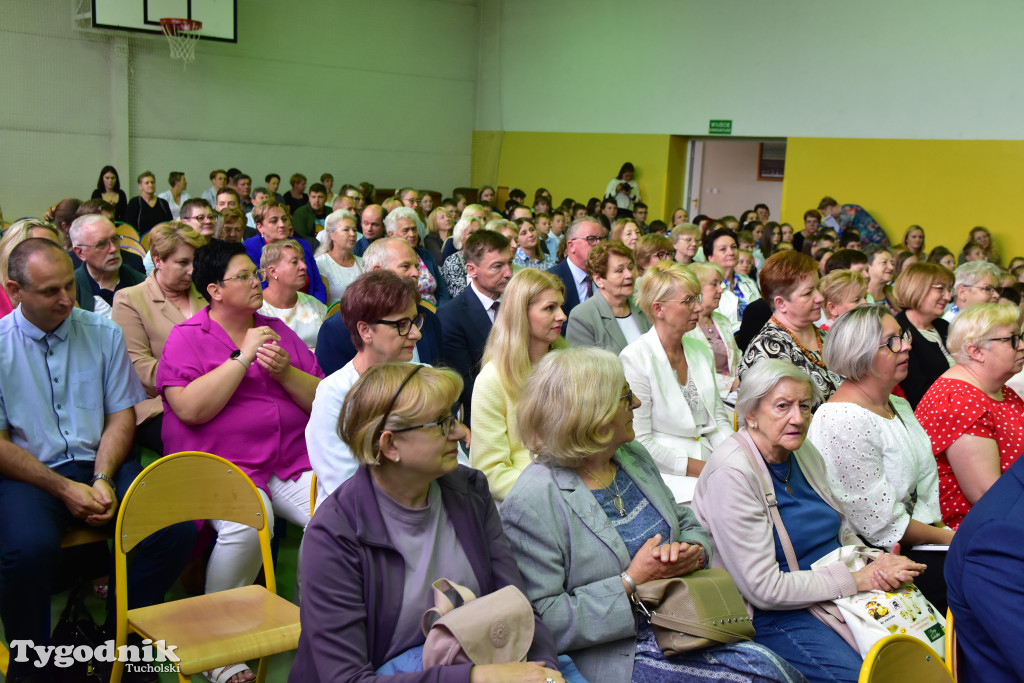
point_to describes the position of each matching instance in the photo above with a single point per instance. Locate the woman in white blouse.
(715, 330)
(334, 257)
(681, 417)
(283, 267)
(879, 458)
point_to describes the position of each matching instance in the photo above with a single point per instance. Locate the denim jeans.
(816, 650)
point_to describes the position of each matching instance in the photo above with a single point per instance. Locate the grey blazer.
(592, 323)
(571, 556)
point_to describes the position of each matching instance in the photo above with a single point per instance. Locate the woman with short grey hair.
(878, 457)
(764, 478)
(591, 519)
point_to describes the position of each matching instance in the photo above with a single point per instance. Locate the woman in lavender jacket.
(410, 515)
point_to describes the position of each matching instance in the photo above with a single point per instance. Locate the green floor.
(280, 665)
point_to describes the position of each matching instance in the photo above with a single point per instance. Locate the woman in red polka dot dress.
(975, 422)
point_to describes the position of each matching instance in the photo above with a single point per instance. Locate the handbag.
(462, 628)
(76, 627)
(872, 615)
(695, 611)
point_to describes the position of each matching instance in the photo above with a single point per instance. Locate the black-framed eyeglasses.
(662, 255)
(403, 325)
(248, 278)
(1014, 339)
(446, 423)
(103, 245)
(591, 239)
(897, 341)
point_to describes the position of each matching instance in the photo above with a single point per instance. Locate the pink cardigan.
(729, 502)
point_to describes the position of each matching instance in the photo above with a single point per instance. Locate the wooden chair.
(126, 230)
(73, 537)
(218, 629)
(145, 241)
(898, 658)
(334, 308)
(133, 246)
(952, 652)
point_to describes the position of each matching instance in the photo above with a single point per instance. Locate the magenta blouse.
(261, 429)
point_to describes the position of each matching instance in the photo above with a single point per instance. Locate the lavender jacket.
(353, 577)
(730, 504)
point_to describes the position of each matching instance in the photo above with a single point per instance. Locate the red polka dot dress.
(952, 408)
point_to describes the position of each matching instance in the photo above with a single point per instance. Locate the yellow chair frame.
(212, 630)
(951, 648)
(899, 658)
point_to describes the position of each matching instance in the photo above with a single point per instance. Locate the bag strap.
(772, 503)
(719, 635)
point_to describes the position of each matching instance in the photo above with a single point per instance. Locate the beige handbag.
(462, 628)
(695, 611)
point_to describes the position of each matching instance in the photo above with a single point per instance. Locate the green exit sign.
(720, 127)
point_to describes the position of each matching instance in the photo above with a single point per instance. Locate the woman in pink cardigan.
(770, 454)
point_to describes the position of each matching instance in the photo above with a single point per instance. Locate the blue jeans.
(31, 526)
(816, 650)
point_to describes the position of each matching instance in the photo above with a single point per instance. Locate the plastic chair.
(899, 658)
(71, 538)
(218, 629)
(952, 652)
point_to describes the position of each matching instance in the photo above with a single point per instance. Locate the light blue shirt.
(552, 241)
(56, 388)
(579, 276)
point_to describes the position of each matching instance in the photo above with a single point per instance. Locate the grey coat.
(592, 323)
(571, 556)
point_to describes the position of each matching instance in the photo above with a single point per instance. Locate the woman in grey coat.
(592, 519)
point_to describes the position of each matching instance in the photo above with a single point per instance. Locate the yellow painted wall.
(946, 186)
(579, 165)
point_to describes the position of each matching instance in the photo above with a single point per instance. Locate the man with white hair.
(977, 282)
(96, 242)
(404, 224)
(334, 347)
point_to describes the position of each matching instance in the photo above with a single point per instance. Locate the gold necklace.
(620, 507)
(803, 349)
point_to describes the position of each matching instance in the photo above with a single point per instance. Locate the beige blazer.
(146, 317)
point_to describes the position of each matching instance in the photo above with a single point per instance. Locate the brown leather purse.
(695, 611)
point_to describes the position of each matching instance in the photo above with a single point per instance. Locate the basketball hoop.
(182, 36)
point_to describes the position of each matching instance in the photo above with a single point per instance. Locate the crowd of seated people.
(487, 372)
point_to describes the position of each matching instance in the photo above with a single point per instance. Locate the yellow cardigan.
(496, 449)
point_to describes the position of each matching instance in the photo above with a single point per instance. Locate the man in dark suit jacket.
(983, 569)
(467, 320)
(334, 348)
(580, 238)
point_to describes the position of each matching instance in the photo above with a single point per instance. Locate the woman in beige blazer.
(608, 320)
(148, 311)
(681, 417)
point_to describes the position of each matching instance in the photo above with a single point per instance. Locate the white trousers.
(236, 560)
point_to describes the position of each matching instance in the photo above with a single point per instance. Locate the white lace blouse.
(881, 471)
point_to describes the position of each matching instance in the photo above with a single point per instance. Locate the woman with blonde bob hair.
(625, 230)
(365, 581)
(686, 240)
(715, 330)
(879, 459)
(922, 291)
(591, 519)
(841, 290)
(18, 232)
(681, 417)
(453, 270)
(528, 325)
(284, 266)
(975, 422)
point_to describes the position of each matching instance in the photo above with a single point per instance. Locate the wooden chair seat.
(237, 625)
(899, 658)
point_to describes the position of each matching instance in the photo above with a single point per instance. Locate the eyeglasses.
(403, 325)
(447, 423)
(391, 406)
(688, 301)
(628, 396)
(103, 245)
(943, 289)
(896, 341)
(248, 278)
(662, 255)
(202, 218)
(988, 289)
(1014, 340)
(591, 239)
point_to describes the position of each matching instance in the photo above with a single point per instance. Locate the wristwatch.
(97, 477)
(237, 355)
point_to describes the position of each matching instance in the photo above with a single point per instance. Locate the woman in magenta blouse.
(255, 418)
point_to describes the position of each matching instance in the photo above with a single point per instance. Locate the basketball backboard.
(219, 17)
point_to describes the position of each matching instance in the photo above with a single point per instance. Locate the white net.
(182, 36)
